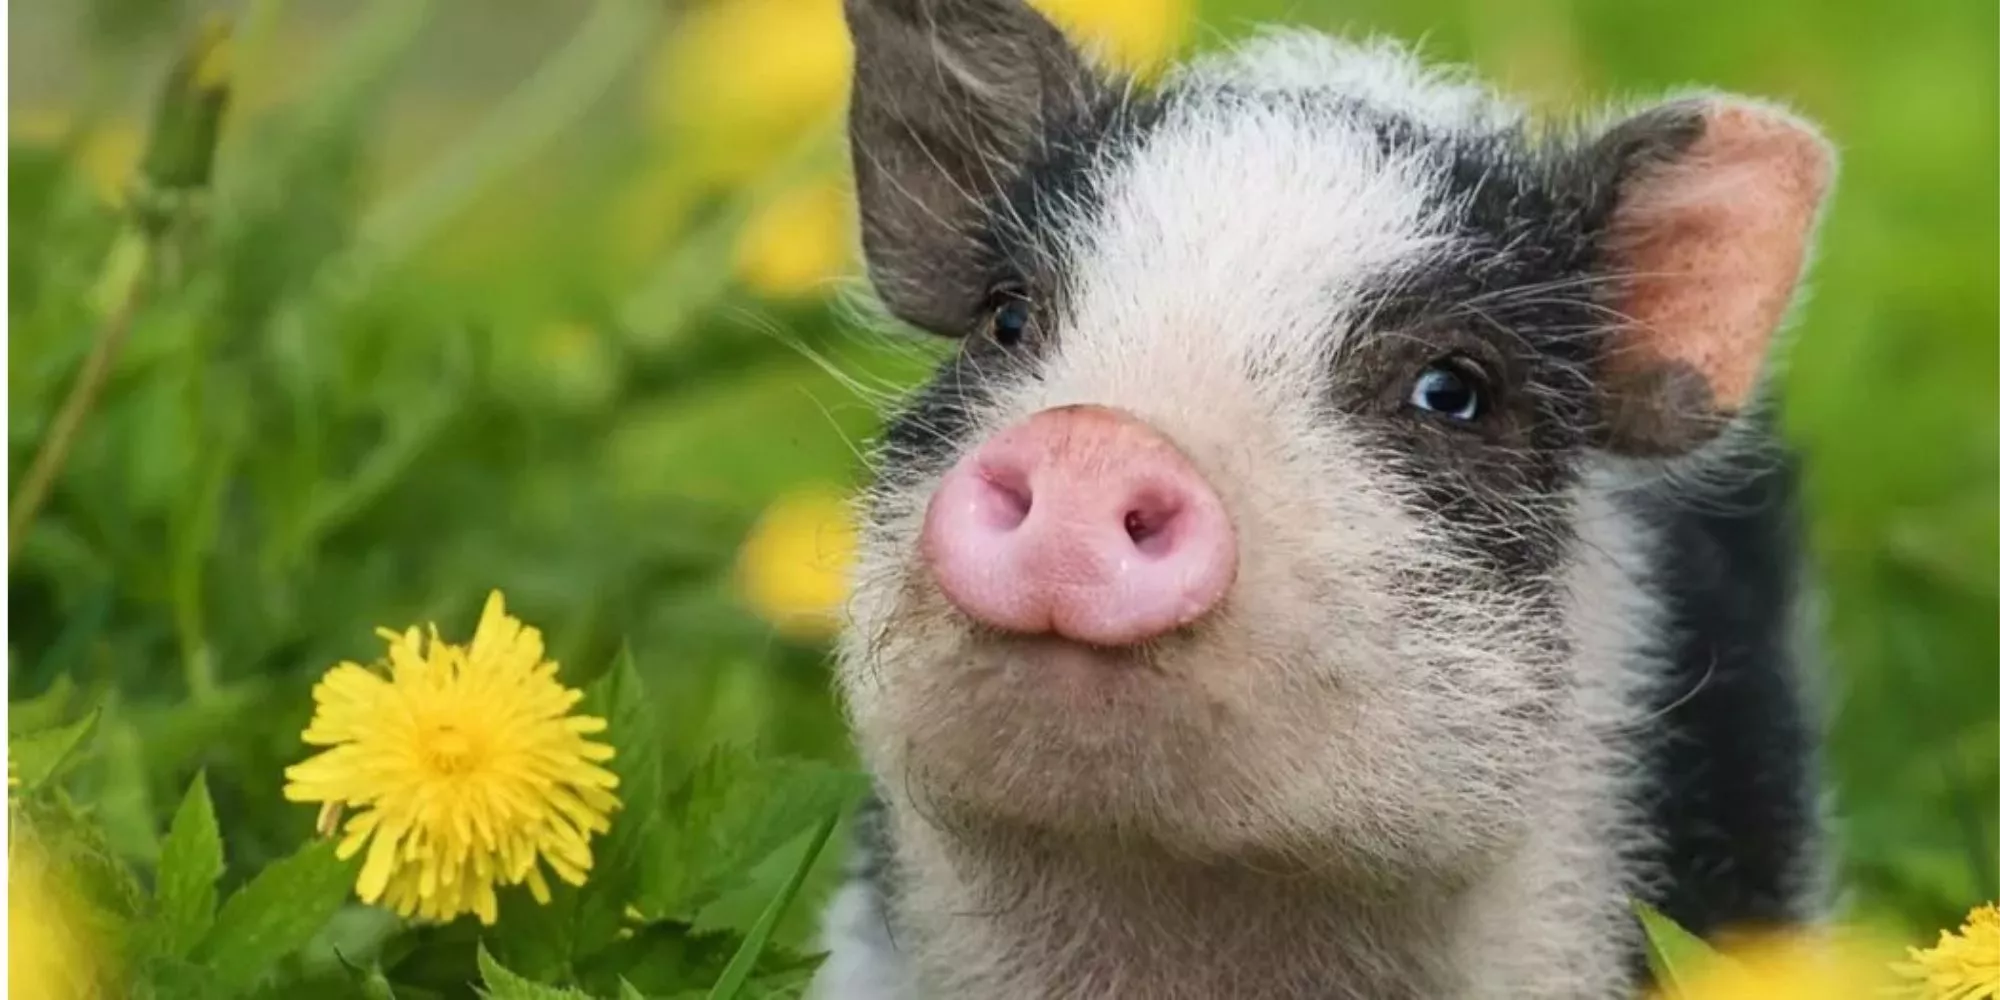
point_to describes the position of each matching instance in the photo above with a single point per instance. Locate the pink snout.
(1083, 522)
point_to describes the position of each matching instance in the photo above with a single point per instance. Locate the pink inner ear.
(1714, 242)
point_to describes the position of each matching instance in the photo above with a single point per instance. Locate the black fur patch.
(1731, 769)
(1019, 254)
(927, 435)
(1515, 293)
(1057, 192)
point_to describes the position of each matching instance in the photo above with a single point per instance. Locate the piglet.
(1347, 553)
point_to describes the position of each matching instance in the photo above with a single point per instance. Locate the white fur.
(1235, 241)
(1380, 72)
(859, 963)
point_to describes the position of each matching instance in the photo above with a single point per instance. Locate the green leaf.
(43, 711)
(190, 862)
(1674, 955)
(504, 985)
(372, 981)
(627, 991)
(61, 832)
(619, 697)
(534, 939)
(179, 979)
(276, 914)
(668, 958)
(737, 973)
(729, 813)
(38, 757)
(375, 985)
(690, 841)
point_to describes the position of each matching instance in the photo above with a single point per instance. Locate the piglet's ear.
(1714, 205)
(950, 98)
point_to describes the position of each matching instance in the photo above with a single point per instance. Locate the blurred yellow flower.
(576, 361)
(1963, 966)
(793, 568)
(51, 953)
(739, 80)
(1134, 35)
(468, 765)
(797, 242)
(106, 153)
(215, 52)
(1839, 964)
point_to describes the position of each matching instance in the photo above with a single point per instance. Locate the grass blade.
(1675, 956)
(555, 96)
(734, 975)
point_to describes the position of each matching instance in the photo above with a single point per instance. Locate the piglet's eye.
(1452, 388)
(1011, 318)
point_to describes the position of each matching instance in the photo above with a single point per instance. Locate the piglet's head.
(1259, 511)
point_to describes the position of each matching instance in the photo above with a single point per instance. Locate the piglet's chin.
(1051, 674)
(1045, 732)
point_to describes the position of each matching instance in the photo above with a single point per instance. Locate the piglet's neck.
(1021, 919)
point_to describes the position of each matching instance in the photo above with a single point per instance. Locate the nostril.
(1136, 527)
(1149, 525)
(1005, 502)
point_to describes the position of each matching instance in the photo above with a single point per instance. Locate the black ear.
(950, 98)
(1715, 203)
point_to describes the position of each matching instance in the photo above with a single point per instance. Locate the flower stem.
(83, 393)
(174, 171)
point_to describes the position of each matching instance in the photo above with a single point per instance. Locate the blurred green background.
(554, 298)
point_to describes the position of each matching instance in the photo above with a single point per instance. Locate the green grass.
(338, 404)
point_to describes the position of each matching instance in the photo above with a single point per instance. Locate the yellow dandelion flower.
(740, 80)
(1135, 35)
(52, 952)
(797, 243)
(792, 570)
(1840, 964)
(1963, 966)
(466, 764)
